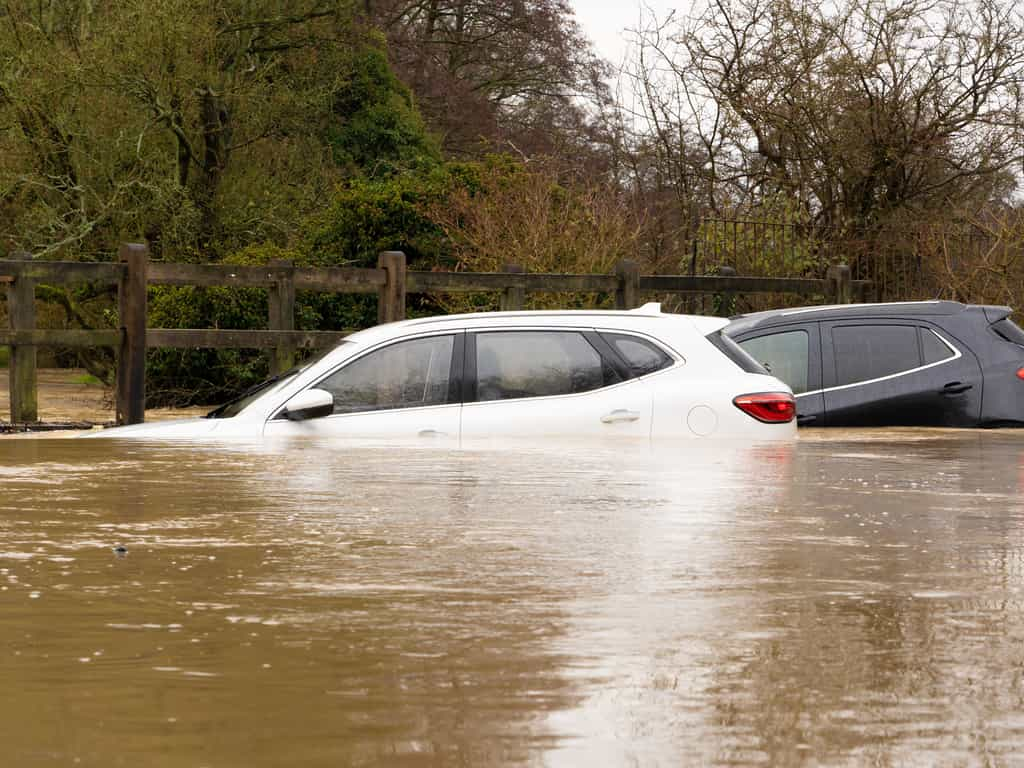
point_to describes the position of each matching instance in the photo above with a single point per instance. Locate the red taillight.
(769, 407)
(1020, 373)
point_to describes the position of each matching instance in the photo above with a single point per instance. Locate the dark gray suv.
(925, 363)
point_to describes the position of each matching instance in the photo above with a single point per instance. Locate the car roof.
(652, 311)
(895, 309)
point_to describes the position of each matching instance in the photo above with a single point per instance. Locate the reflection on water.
(854, 599)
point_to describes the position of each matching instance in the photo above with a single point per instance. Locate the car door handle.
(805, 419)
(620, 414)
(955, 388)
(432, 433)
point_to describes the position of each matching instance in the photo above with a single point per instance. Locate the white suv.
(590, 374)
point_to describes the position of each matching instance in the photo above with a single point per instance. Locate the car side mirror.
(310, 404)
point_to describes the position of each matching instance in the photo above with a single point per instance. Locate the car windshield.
(238, 404)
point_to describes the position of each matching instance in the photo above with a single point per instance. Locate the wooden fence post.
(841, 285)
(281, 298)
(513, 299)
(627, 295)
(21, 312)
(391, 298)
(131, 362)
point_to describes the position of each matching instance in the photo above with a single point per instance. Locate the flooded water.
(853, 599)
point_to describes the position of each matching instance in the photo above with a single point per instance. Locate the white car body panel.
(690, 399)
(438, 424)
(173, 429)
(622, 410)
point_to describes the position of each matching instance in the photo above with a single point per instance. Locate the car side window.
(517, 364)
(785, 355)
(409, 374)
(642, 356)
(933, 349)
(866, 352)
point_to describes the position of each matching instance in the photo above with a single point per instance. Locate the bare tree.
(862, 124)
(978, 257)
(858, 110)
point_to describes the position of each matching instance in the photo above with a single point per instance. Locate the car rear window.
(735, 352)
(1009, 330)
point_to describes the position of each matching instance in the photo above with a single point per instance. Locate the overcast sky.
(603, 21)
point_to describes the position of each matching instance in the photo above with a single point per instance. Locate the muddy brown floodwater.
(854, 599)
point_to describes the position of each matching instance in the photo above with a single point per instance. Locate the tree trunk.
(216, 122)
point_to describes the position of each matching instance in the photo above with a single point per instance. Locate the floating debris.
(9, 427)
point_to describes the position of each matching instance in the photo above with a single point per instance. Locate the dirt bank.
(66, 395)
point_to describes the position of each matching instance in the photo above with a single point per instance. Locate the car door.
(792, 353)
(549, 381)
(897, 373)
(410, 388)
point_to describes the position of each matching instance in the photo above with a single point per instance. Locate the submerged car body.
(635, 374)
(927, 363)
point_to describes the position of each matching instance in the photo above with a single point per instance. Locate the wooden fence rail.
(390, 281)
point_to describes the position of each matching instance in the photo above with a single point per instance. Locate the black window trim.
(469, 369)
(456, 373)
(469, 381)
(610, 355)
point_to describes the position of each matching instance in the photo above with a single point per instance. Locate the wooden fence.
(390, 281)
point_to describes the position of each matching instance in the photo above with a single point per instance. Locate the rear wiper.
(251, 391)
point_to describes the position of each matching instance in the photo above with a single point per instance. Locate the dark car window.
(408, 374)
(1009, 330)
(538, 364)
(865, 352)
(933, 349)
(784, 355)
(735, 352)
(642, 356)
